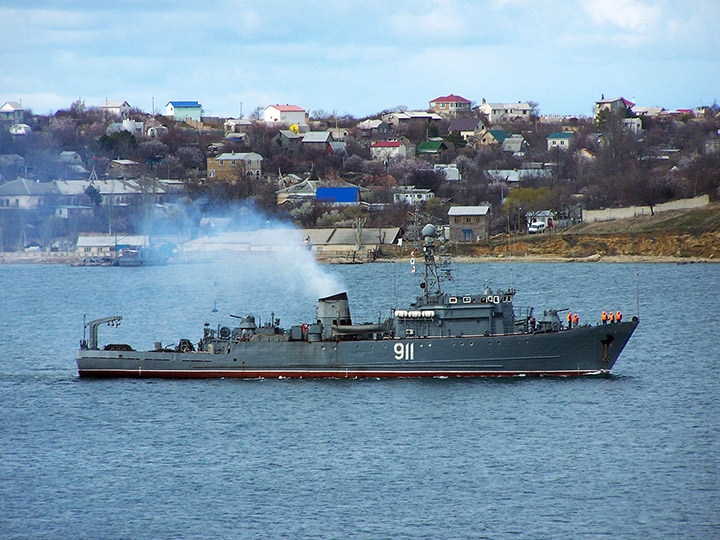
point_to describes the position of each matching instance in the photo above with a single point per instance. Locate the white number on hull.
(404, 351)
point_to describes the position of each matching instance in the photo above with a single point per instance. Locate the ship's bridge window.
(452, 300)
(466, 299)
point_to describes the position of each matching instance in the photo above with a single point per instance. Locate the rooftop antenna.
(214, 309)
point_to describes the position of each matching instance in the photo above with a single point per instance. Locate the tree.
(523, 201)
(257, 114)
(94, 195)
(120, 144)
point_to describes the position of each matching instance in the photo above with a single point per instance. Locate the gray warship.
(437, 335)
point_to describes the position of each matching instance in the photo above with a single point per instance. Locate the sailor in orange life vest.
(612, 317)
(618, 316)
(604, 317)
(569, 320)
(576, 319)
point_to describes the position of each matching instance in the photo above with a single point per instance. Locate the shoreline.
(75, 260)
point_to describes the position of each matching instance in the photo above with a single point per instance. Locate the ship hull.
(580, 351)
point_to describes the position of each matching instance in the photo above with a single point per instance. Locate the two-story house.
(505, 112)
(614, 105)
(451, 105)
(184, 110)
(11, 113)
(560, 140)
(231, 165)
(285, 114)
(469, 223)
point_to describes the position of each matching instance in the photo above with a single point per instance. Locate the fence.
(609, 214)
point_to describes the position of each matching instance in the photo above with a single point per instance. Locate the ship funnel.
(333, 311)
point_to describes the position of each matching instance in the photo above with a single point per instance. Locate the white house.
(285, 114)
(450, 170)
(115, 108)
(503, 112)
(12, 112)
(411, 195)
(183, 110)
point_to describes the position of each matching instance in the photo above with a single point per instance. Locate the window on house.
(220, 163)
(211, 173)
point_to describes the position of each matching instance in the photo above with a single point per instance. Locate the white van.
(537, 227)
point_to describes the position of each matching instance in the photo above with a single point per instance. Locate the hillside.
(681, 234)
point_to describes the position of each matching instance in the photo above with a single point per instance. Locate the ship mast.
(431, 286)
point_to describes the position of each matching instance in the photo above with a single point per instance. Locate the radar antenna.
(431, 286)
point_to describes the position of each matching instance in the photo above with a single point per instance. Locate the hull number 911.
(404, 351)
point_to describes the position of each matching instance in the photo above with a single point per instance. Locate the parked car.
(537, 227)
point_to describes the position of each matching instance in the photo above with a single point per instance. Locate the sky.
(359, 57)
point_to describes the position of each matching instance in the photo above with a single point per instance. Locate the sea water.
(632, 455)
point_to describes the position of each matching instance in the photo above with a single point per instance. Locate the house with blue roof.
(183, 110)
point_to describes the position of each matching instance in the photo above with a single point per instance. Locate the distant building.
(123, 168)
(431, 149)
(184, 110)
(11, 113)
(559, 140)
(449, 170)
(288, 140)
(384, 150)
(121, 109)
(329, 191)
(451, 105)
(317, 140)
(410, 118)
(285, 114)
(232, 165)
(491, 137)
(515, 145)
(411, 195)
(613, 105)
(469, 223)
(467, 127)
(505, 112)
(371, 127)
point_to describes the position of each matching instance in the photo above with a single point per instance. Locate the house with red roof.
(383, 150)
(285, 114)
(451, 105)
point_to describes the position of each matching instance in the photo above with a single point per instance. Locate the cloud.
(628, 15)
